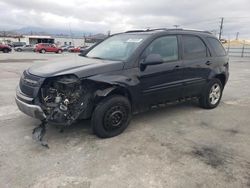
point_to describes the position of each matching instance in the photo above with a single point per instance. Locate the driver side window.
(166, 47)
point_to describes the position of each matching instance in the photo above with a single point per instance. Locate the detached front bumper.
(29, 109)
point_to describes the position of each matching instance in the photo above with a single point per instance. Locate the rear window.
(193, 47)
(217, 46)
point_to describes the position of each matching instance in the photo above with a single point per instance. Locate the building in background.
(71, 41)
(58, 40)
(35, 39)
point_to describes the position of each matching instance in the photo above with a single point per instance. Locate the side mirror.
(153, 59)
(83, 52)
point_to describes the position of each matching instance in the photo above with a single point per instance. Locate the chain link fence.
(237, 48)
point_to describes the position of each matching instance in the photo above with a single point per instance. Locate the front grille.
(29, 83)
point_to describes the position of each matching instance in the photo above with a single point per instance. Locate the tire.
(111, 116)
(19, 50)
(6, 50)
(212, 94)
(43, 51)
(59, 51)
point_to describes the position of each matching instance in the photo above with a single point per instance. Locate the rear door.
(162, 82)
(196, 64)
(50, 48)
(28, 48)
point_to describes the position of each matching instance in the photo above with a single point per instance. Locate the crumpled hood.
(81, 67)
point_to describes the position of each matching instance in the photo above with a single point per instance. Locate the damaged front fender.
(107, 84)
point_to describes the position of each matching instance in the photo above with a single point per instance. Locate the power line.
(200, 22)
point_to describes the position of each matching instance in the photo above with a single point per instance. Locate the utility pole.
(108, 33)
(221, 27)
(243, 49)
(237, 35)
(176, 26)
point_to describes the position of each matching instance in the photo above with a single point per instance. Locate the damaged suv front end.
(63, 93)
(58, 100)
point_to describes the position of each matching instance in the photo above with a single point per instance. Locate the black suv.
(124, 74)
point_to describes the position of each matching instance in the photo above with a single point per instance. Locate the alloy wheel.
(214, 94)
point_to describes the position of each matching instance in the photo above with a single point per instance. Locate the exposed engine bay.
(64, 98)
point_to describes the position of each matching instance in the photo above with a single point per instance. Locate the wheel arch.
(114, 90)
(222, 78)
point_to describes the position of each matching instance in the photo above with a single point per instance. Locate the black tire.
(6, 50)
(59, 51)
(210, 100)
(111, 116)
(19, 49)
(43, 51)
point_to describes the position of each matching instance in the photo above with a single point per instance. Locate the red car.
(46, 47)
(75, 49)
(5, 48)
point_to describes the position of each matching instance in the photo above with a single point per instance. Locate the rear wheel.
(59, 51)
(111, 116)
(43, 51)
(212, 94)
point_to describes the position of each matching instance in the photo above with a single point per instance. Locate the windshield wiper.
(103, 58)
(94, 57)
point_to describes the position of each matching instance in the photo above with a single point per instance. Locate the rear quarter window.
(217, 46)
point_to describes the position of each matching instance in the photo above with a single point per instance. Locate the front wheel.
(111, 116)
(212, 94)
(5, 50)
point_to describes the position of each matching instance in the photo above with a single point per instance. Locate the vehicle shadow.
(83, 127)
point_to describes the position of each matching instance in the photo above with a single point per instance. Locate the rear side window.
(166, 47)
(193, 47)
(216, 45)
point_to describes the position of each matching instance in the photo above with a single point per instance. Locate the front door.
(162, 82)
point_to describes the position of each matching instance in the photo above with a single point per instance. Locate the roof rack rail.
(136, 30)
(196, 30)
(148, 30)
(166, 29)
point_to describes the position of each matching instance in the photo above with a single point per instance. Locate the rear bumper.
(27, 107)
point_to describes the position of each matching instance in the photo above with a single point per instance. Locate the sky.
(121, 15)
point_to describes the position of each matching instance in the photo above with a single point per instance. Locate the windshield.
(118, 47)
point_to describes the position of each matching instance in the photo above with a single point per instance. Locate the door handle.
(177, 66)
(208, 63)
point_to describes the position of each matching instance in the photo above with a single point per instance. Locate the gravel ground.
(179, 145)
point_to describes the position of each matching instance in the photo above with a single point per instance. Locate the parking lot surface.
(179, 145)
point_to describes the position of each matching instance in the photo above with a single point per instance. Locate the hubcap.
(215, 93)
(114, 118)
